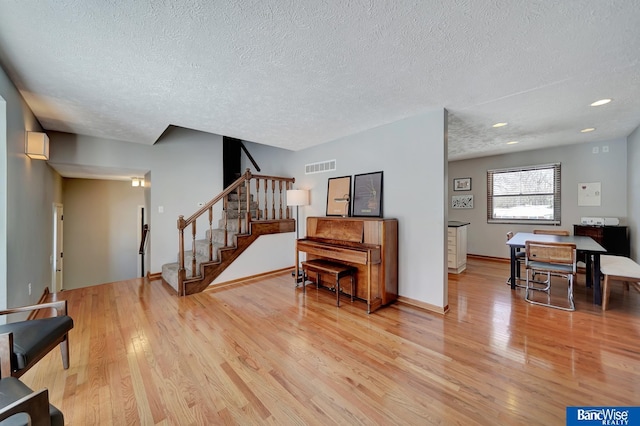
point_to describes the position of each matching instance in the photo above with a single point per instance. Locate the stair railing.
(270, 191)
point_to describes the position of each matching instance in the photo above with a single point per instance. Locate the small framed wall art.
(462, 202)
(462, 184)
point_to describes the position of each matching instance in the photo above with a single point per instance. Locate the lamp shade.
(297, 197)
(37, 146)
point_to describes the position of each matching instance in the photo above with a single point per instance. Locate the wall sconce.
(37, 146)
(137, 182)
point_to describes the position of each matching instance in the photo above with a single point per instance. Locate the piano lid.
(345, 230)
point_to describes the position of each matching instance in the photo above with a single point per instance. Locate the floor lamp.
(297, 198)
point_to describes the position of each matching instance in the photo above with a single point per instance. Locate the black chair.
(23, 343)
(19, 405)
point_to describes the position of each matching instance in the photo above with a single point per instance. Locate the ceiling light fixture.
(601, 102)
(499, 124)
(137, 181)
(587, 130)
(512, 142)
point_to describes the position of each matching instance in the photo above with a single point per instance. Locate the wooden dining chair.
(552, 259)
(560, 232)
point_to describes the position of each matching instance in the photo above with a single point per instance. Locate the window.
(529, 194)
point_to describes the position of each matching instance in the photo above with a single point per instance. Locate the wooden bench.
(338, 270)
(617, 268)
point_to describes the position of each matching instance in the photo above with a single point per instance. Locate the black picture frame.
(339, 196)
(462, 184)
(367, 194)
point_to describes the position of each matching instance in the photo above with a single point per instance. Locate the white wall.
(633, 191)
(100, 231)
(412, 154)
(579, 164)
(28, 189)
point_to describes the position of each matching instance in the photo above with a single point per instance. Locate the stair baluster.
(280, 196)
(193, 249)
(210, 238)
(225, 204)
(247, 188)
(266, 190)
(258, 212)
(239, 210)
(273, 199)
(290, 210)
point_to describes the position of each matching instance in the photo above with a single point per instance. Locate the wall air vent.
(320, 167)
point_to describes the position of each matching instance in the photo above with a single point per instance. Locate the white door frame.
(57, 262)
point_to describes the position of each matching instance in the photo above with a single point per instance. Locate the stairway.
(239, 236)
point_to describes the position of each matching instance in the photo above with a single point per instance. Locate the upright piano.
(368, 244)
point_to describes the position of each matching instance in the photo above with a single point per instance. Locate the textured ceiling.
(294, 74)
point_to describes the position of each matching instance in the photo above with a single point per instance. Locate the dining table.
(584, 244)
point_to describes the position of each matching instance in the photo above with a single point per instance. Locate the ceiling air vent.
(320, 167)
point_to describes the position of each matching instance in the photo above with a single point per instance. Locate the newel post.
(181, 271)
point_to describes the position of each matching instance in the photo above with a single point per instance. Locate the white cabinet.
(457, 244)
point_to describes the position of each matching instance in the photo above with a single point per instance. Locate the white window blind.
(529, 194)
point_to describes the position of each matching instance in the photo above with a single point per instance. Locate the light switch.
(595, 150)
(160, 209)
(605, 148)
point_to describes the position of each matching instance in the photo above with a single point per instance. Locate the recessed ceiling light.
(512, 142)
(587, 130)
(601, 102)
(499, 124)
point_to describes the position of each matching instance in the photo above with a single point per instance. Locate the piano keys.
(368, 244)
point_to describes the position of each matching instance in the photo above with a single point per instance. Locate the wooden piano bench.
(338, 270)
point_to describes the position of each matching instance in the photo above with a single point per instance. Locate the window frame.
(556, 167)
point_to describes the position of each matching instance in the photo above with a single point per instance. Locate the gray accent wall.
(28, 190)
(633, 191)
(579, 165)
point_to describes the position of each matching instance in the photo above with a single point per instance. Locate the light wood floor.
(261, 353)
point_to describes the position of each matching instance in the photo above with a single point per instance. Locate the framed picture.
(339, 196)
(462, 184)
(462, 202)
(367, 194)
